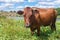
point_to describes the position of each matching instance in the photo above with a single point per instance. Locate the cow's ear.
(20, 12)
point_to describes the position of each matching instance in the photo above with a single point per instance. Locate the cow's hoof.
(38, 34)
(32, 33)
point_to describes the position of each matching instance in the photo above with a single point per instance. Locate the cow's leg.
(53, 27)
(38, 30)
(32, 30)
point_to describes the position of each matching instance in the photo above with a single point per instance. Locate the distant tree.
(1, 10)
(15, 11)
(11, 11)
(58, 11)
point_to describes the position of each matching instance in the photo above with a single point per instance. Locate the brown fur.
(40, 16)
(45, 17)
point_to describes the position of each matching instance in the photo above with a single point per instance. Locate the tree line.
(58, 11)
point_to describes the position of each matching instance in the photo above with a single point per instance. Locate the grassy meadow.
(11, 29)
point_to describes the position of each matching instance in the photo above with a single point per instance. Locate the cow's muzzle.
(27, 25)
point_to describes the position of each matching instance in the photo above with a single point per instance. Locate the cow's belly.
(46, 24)
(46, 21)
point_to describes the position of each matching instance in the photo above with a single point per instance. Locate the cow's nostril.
(27, 25)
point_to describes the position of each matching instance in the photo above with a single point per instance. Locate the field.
(11, 29)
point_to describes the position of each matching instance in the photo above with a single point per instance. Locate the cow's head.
(28, 15)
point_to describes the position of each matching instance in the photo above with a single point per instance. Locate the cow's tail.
(55, 15)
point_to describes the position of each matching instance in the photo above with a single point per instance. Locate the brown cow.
(34, 18)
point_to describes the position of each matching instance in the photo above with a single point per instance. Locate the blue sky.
(8, 5)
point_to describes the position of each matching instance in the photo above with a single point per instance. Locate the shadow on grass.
(44, 35)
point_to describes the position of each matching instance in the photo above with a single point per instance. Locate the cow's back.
(47, 16)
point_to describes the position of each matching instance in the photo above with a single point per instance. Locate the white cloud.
(31, 0)
(10, 5)
(57, 1)
(53, 4)
(2, 6)
(48, 0)
(47, 6)
(26, 6)
(48, 3)
(17, 0)
(42, 6)
(11, 0)
(19, 7)
(45, 0)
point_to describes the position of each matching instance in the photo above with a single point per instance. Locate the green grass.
(14, 30)
(58, 16)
